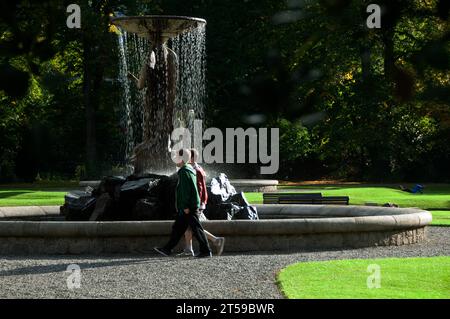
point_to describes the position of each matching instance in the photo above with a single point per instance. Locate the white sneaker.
(219, 243)
(162, 251)
(186, 253)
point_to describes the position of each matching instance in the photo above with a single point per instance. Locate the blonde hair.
(184, 154)
(194, 155)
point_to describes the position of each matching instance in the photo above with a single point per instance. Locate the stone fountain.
(165, 92)
(158, 78)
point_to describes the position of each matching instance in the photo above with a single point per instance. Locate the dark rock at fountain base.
(131, 192)
(225, 204)
(148, 209)
(78, 206)
(239, 199)
(103, 208)
(134, 177)
(151, 197)
(231, 211)
(165, 192)
(146, 197)
(110, 185)
(223, 211)
(221, 188)
(246, 212)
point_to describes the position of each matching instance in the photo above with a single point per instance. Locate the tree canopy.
(351, 102)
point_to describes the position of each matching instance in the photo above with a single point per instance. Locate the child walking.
(187, 203)
(218, 242)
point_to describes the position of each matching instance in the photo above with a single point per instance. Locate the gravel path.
(145, 276)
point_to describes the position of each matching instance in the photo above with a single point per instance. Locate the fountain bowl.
(281, 228)
(166, 26)
(241, 185)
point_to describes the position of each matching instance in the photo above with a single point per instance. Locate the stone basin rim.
(266, 211)
(144, 26)
(155, 17)
(252, 182)
(234, 182)
(67, 229)
(408, 226)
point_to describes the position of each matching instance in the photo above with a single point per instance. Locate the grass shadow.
(13, 193)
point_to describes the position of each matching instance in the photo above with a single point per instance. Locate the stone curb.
(28, 211)
(226, 228)
(291, 210)
(353, 227)
(254, 182)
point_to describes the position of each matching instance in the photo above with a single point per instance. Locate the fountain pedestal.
(159, 104)
(160, 84)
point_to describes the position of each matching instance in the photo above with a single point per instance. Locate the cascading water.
(131, 52)
(190, 50)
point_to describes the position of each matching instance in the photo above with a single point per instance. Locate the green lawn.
(401, 278)
(31, 197)
(441, 217)
(436, 197)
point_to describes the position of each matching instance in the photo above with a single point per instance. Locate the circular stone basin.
(241, 185)
(166, 26)
(255, 185)
(286, 228)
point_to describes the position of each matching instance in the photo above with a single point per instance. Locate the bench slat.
(304, 198)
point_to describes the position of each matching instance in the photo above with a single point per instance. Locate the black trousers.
(179, 228)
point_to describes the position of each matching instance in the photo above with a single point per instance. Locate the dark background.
(351, 103)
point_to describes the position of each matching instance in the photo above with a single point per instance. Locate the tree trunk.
(366, 66)
(388, 55)
(91, 142)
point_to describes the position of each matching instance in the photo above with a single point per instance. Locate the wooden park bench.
(274, 198)
(334, 200)
(304, 198)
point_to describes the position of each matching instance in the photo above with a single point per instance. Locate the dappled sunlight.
(401, 278)
(31, 197)
(436, 197)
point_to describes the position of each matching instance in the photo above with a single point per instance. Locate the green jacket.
(187, 193)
